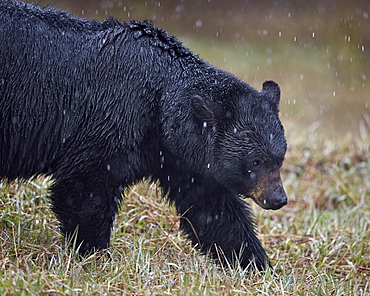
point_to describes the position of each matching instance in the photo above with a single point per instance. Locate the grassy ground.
(318, 244)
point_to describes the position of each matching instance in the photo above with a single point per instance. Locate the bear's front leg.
(86, 206)
(220, 223)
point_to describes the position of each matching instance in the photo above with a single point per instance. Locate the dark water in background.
(318, 51)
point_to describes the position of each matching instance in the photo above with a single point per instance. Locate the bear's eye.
(256, 162)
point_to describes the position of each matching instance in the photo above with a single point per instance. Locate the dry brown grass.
(319, 243)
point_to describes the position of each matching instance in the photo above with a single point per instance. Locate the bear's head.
(248, 142)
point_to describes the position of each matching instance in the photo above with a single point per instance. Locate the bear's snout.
(279, 198)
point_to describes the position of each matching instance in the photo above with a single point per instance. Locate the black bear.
(101, 105)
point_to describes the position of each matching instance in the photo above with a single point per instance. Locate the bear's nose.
(280, 199)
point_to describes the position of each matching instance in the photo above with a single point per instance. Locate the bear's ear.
(206, 110)
(271, 90)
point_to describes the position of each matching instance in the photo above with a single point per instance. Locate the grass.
(318, 244)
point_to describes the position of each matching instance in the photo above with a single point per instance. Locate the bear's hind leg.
(86, 205)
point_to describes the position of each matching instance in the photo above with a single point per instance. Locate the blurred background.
(318, 51)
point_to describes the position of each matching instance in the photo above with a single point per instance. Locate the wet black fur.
(101, 105)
